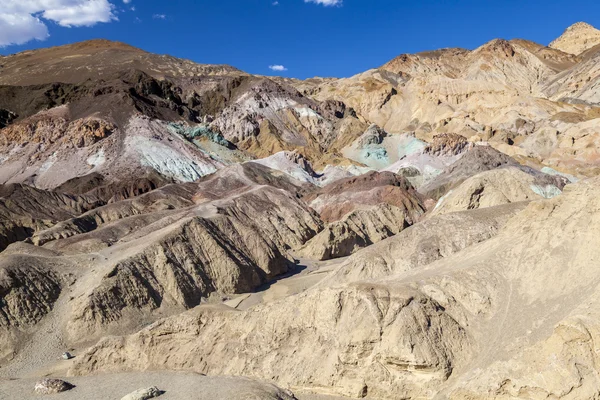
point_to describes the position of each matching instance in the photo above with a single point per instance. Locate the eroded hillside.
(425, 229)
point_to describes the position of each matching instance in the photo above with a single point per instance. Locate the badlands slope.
(426, 229)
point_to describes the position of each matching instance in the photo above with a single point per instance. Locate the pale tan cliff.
(577, 38)
(516, 312)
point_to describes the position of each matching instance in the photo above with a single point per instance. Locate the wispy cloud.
(326, 3)
(159, 16)
(278, 68)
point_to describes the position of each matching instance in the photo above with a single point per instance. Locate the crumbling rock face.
(170, 197)
(362, 340)
(421, 244)
(229, 246)
(499, 186)
(577, 38)
(27, 293)
(89, 131)
(356, 230)
(95, 185)
(25, 210)
(512, 316)
(373, 135)
(478, 159)
(266, 117)
(447, 144)
(263, 99)
(28, 289)
(339, 198)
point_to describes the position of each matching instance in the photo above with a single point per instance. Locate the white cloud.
(278, 68)
(159, 16)
(326, 3)
(81, 13)
(19, 29)
(275, 3)
(25, 20)
(126, 1)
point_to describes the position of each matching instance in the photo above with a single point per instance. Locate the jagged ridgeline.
(425, 229)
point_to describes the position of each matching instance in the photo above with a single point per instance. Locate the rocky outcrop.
(373, 135)
(463, 317)
(421, 244)
(356, 230)
(25, 211)
(156, 254)
(372, 345)
(447, 144)
(499, 186)
(182, 257)
(339, 198)
(476, 160)
(268, 117)
(361, 211)
(28, 289)
(577, 38)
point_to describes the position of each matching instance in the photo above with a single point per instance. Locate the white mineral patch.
(281, 162)
(97, 159)
(278, 103)
(547, 192)
(334, 173)
(275, 103)
(48, 163)
(167, 161)
(15, 150)
(430, 172)
(307, 112)
(441, 200)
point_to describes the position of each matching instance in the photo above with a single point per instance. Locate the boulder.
(143, 394)
(52, 386)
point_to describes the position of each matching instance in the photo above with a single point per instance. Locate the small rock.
(67, 356)
(52, 386)
(143, 394)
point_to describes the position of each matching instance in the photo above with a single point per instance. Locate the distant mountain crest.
(98, 58)
(577, 38)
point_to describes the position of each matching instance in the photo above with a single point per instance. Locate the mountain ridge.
(425, 229)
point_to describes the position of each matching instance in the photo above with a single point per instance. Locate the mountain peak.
(577, 38)
(578, 26)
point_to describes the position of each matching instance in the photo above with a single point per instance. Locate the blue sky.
(307, 38)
